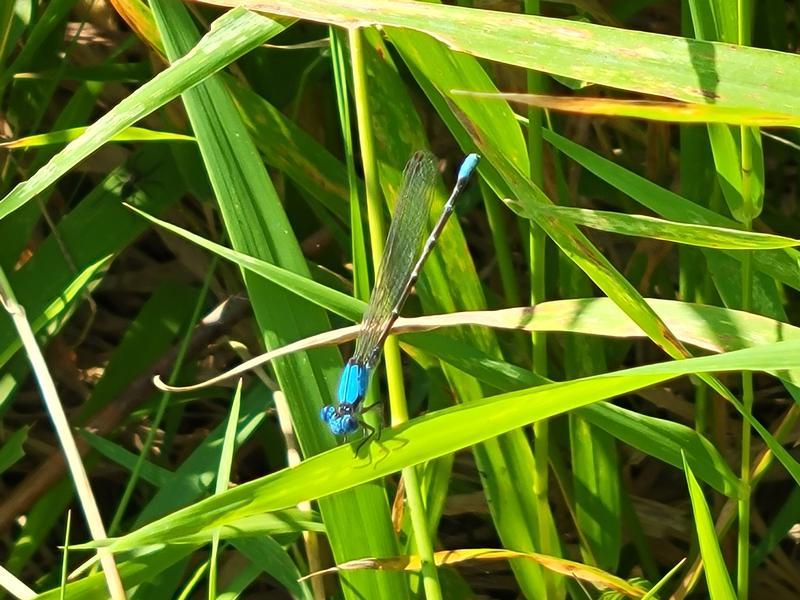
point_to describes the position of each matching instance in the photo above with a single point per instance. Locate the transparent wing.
(403, 244)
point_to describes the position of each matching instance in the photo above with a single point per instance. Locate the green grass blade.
(321, 295)
(237, 32)
(11, 451)
(781, 264)
(440, 433)
(717, 577)
(190, 480)
(666, 440)
(287, 147)
(131, 134)
(505, 465)
(257, 224)
(704, 236)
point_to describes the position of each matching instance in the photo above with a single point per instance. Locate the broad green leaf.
(661, 439)
(439, 433)
(244, 534)
(675, 67)
(666, 441)
(287, 147)
(272, 558)
(136, 570)
(195, 475)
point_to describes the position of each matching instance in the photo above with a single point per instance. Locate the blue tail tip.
(468, 166)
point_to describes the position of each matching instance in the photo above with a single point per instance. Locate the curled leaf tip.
(159, 383)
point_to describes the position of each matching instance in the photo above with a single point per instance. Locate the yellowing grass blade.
(652, 110)
(708, 327)
(450, 558)
(138, 16)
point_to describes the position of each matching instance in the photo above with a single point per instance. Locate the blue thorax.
(353, 383)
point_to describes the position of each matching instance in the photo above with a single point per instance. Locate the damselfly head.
(341, 420)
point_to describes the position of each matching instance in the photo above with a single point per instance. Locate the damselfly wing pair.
(402, 259)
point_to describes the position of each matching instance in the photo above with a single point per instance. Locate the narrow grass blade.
(717, 577)
(238, 31)
(131, 134)
(703, 236)
(780, 264)
(671, 112)
(256, 222)
(453, 558)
